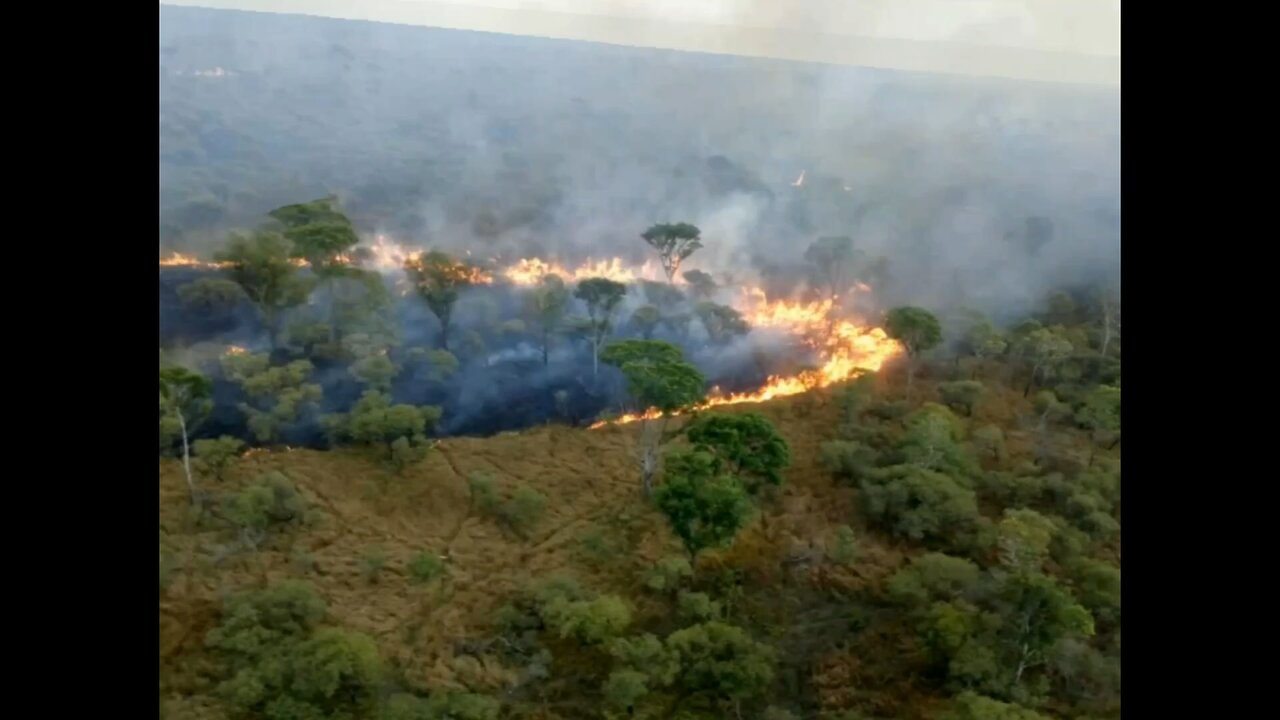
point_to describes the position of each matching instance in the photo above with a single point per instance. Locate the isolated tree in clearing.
(744, 443)
(705, 506)
(659, 378)
(185, 396)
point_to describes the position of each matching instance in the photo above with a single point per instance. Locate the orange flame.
(177, 259)
(847, 349)
(234, 350)
(530, 271)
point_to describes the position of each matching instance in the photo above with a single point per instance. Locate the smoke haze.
(980, 193)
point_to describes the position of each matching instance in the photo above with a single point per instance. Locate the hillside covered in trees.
(931, 531)
(514, 379)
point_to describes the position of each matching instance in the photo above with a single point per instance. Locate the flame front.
(847, 349)
(178, 259)
(531, 271)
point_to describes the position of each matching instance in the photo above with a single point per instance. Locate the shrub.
(484, 493)
(524, 510)
(919, 504)
(425, 567)
(596, 547)
(373, 562)
(989, 440)
(269, 502)
(848, 459)
(667, 574)
(442, 705)
(845, 549)
(214, 456)
(278, 664)
(961, 394)
(696, 607)
(588, 621)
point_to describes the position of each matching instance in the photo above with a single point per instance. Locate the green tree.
(215, 298)
(1107, 300)
(701, 285)
(439, 279)
(705, 508)
(435, 366)
(589, 621)
(602, 297)
(279, 664)
(982, 341)
(441, 705)
(425, 566)
(667, 574)
(932, 441)
(664, 296)
(918, 503)
(278, 395)
(1097, 584)
(1022, 539)
(1036, 613)
(260, 263)
(971, 706)
(185, 398)
(646, 319)
(961, 394)
(845, 548)
(989, 439)
(934, 577)
(361, 304)
(1100, 412)
(1043, 349)
(1050, 408)
(642, 665)
(722, 322)
(270, 501)
(328, 673)
(374, 421)
(323, 236)
(918, 331)
(523, 510)
(659, 379)
(721, 661)
(215, 455)
(546, 307)
(675, 242)
(311, 337)
(376, 371)
(746, 444)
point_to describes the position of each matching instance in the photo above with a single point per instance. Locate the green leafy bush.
(425, 567)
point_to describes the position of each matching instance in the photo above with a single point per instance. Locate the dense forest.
(489, 391)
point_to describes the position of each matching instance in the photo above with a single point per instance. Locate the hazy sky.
(1074, 41)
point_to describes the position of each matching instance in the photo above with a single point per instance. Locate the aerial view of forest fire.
(526, 378)
(843, 346)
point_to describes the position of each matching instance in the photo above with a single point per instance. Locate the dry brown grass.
(591, 480)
